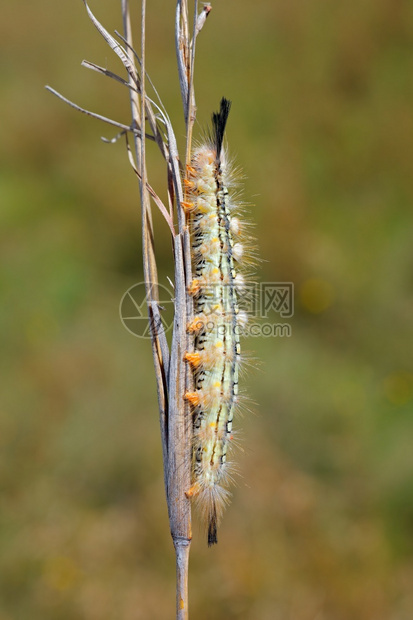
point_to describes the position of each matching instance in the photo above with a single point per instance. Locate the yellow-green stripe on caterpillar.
(216, 254)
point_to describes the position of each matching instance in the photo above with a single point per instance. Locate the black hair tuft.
(219, 122)
(212, 528)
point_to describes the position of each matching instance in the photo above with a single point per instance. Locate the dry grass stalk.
(173, 377)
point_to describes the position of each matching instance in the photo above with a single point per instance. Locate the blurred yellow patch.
(398, 387)
(41, 328)
(61, 573)
(316, 295)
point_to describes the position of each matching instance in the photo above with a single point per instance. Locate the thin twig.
(91, 65)
(159, 345)
(191, 97)
(146, 73)
(94, 115)
(118, 49)
(200, 22)
(182, 51)
(152, 192)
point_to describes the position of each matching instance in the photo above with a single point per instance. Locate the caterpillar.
(217, 253)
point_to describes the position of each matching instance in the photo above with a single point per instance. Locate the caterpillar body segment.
(216, 257)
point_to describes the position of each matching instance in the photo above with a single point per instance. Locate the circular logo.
(133, 310)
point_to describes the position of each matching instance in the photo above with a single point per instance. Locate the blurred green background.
(321, 523)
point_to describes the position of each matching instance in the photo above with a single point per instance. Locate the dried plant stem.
(182, 548)
(173, 376)
(159, 347)
(174, 417)
(191, 97)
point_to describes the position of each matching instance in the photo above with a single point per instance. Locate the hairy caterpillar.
(216, 255)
